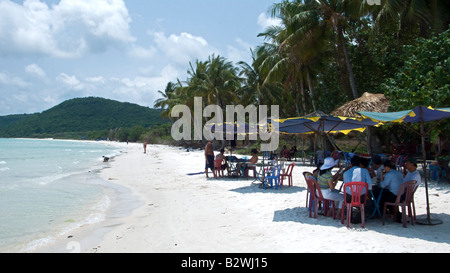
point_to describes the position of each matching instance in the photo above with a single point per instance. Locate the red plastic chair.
(407, 190)
(288, 174)
(306, 175)
(218, 167)
(317, 198)
(355, 189)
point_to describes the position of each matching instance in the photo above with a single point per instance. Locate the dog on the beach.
(105, 159)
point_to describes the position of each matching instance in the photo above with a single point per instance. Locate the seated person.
(365, 164)
(391, 180)
(252, 160)
(377, 166)
(293, 152)
(327, 182)
(222, 156)
(356, 174)
(413, 173)
(284, 153)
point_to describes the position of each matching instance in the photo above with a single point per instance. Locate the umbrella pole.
(428, 220)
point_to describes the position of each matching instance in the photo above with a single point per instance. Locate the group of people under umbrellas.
(382, 178)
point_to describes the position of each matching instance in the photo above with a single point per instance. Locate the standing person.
(145, 147)
(327, 182)
(209, 157)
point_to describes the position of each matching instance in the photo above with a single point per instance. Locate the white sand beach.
(182, 213)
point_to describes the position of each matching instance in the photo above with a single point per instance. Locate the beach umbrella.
(420, 114)
(322, 124)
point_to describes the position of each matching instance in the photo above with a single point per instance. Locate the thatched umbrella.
(374, 102)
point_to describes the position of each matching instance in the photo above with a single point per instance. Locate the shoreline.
(182, 213)
(85, 238)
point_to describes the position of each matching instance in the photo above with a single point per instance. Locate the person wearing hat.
(413, 173)
(327, 182)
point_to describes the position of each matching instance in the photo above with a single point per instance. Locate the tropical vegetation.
(327, 52)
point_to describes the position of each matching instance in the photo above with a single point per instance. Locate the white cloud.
(264, 21)
(14, 81)
(67, 29)
(35, 70)
(182, 48)
(72, 82)
(99, 80)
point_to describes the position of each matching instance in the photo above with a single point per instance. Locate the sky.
(125, 50)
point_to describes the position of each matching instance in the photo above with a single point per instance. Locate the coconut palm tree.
(413, 16)
(316, 22)
(167, 100)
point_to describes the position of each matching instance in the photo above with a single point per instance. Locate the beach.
(181, 213)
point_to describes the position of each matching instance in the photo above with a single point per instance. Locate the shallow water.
(49, 188)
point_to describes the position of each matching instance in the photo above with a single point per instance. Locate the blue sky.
(126, 50)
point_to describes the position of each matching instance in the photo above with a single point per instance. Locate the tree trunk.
(311, 89)
(351, 77)
(302, 92)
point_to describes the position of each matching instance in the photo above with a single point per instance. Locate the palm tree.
(222, 81)
(167, 99)
(313, 22)
(255, 90)
(414, 16)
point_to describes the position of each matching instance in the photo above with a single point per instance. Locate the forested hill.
(80, 115)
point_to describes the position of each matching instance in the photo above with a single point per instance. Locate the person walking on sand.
(209, 157)
(145, 147)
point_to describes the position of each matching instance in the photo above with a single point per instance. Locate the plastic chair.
(218, 167)
(306, 175)
(404, 199)
(434, 172)
(288, 174)
(356, 189)
(346, 158)
(317, 198)
(273, 175)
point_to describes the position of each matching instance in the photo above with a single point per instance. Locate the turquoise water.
(49, 188)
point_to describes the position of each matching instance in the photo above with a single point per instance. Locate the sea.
(49, 188)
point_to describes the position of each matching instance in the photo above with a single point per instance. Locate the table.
(376, 200)
(235, 165)
(260, 175)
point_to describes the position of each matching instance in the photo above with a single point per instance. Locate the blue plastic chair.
(273, 174)
(347, 158)
(435, 173)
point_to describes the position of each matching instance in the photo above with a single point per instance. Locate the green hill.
(78, 116)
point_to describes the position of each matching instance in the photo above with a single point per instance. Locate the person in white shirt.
(355, 174)
(413, 173)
